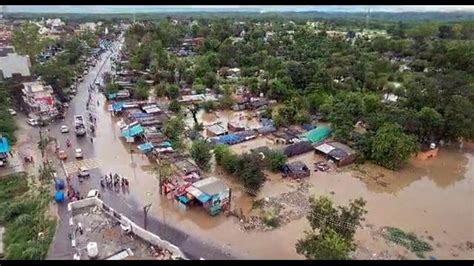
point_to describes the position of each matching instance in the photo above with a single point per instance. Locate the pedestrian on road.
(92, 140)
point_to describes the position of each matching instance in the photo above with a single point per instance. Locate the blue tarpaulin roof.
(145, 147)
(132, 132)
(307, 127)
(228, 139)
(117, 107)
(112, 96)
(141, 115)
(183, 199)
(4, 145)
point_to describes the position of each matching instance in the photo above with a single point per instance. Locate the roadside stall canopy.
(200, 196)
(4, 145)
(145, 147)
(132, 132)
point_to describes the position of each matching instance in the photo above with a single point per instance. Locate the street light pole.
(146, 208)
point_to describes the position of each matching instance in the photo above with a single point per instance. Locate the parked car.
(93, 193)
(12, 112)
(32, 122)
(64, 129)
(62, 155)
(78, 153)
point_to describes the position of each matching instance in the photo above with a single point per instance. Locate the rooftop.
(13, 63)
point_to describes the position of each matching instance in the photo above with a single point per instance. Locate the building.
(14, 66)
(39, 99)
(298, 148)
(341, 154)
(216, 130)
(100, 233)
(296, 170)
(212, 193)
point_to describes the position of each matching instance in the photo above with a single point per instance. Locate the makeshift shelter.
(212, 193)
(216, 130)
(266, 129)
(296, 169)
(235, 127)
(338, 152)
(186, 167)
(283, 137)
(298, 148)
(317, 135)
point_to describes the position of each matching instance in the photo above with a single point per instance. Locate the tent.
(59, 197)
(298, 148)
(318, 134)
(4, 145)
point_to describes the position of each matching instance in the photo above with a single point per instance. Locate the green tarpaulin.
(318, 134)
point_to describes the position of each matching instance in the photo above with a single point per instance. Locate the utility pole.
(146, 208)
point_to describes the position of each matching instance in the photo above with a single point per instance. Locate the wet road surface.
(125, 203)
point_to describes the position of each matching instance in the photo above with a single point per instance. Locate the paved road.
(61, 247)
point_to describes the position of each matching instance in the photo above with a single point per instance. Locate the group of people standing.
(114, 182)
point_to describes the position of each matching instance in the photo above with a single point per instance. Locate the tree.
(175, 106)
(27, 40)
(174, 130)
(141, 91)
(332, 229)
(209, 106)
(227, 101)
(201, 154)
(328, 246)
(391, 147)
(275, 160)
(172, 92)
(430, 124)
(210, 79)
(250, 172)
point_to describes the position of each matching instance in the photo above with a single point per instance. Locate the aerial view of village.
(236, 132)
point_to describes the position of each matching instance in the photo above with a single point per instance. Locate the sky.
(233, 8)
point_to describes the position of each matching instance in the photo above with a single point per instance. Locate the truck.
(80, 128)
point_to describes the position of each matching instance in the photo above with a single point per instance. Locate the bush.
(201, 154)
(275, 160)
(209, 106)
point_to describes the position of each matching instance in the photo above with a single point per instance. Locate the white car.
(78, 153)
(83, 172)
(93, 193)
(12, 112)
(32, 122)
(64, 129)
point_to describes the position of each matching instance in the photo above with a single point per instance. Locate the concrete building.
(39, 99)
(13, 66)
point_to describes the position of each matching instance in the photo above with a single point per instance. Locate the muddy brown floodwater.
(432, 198)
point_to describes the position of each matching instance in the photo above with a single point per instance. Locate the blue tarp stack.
(229, 139)
(4, 145)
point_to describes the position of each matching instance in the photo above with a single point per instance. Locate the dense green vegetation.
(408, 240)
(332, 229)
(426, 66)
(7, 123)
(28, 232)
